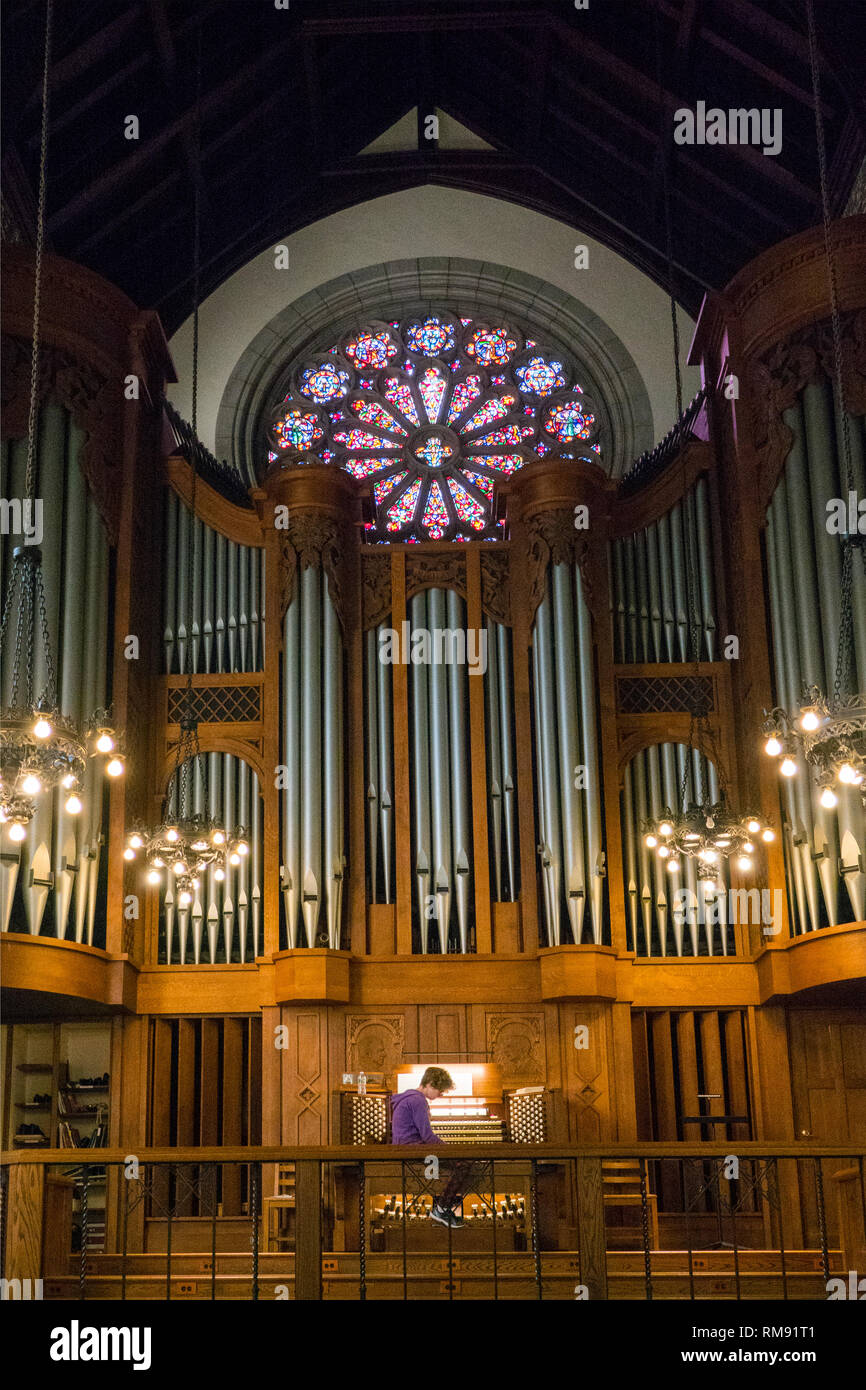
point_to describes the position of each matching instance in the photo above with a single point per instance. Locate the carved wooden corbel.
(376, 588)
(553, 540)
(313, 539)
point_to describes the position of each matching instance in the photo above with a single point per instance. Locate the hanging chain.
(846, 616)
(30, 476)
(693, 615)
(189, 754)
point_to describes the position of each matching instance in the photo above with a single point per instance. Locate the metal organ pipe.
(371, 748)
(440, 775)
(291, 802)
(546, 715)
(505, 691)
(460, 771)
(493, 743)
(571, 816)
(589, 747)
(311, 751)
(420, 778)
(822, 846)
(385, 753)
(333, 780)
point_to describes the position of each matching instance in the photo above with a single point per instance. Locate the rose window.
(434, 412)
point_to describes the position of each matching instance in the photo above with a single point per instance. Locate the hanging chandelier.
(708, 834)
(187, 843)
(41, 749)
(828, 732)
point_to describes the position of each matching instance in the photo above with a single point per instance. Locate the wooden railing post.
(852, 1219)
(308, 1229)
(26, 1199)
(590, 1227)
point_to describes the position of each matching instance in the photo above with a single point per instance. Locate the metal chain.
(846, 615)
(48, 698)
(30, 475)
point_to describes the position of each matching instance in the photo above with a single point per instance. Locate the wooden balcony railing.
(755, 1220)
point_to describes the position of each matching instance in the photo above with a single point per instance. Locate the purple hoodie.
(410, 1120)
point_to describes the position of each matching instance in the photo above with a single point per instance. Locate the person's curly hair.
(438, 1078)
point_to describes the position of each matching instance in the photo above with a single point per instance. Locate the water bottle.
(362, 1083)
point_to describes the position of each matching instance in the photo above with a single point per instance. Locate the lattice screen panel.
(664, 694)
(217, 704)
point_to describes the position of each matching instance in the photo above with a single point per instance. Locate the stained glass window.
(324, 382)
(568, 420)
(430, 416)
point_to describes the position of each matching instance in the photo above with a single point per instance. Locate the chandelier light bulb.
(179, 868)
(809, 721)
(219, 875)
(847, 774)
(105, 743)
(73, 804)
(68, 781)
(663, 851)
(172, 835)
(242, 847)
(153, 876)
(234, 858)
(135, 840)
(158, 862)
(115, 768)
(772, 747)
(185, 898)
(829, 799)
(754, 826)
(129, 853)
(768, 835)
(748, 847)
(666, 828)
(17, 830)
(31, 784)
(42, 728)
(673, 866)
(195, 883)
(788, 768)
(650, 841)
(744, 864)
(218, 837)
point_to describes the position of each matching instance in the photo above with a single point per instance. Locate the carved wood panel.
(374, 1042)
(515, 1043)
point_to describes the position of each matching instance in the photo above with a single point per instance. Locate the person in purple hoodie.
(410, 1124)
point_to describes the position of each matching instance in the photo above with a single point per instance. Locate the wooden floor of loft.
(713, 1276)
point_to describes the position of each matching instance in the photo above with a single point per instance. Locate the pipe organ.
(228, 585)
(446, 859)
(312, 801)
(570, 850)
(53, 886)
(660, 922)
(825, 850)
(649, 590)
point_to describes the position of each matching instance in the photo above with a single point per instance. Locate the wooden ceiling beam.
(723, 45)
(121, 172)
(769, 168)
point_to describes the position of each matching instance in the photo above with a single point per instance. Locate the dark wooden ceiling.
(578, 105)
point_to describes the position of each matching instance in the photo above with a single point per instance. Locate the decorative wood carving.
(318, 540)
(374, 1042)
(93, 400)
(496, 585)
(553, 540)
(444, 569)
(515, 1043)
(376, 588)
(778, 377)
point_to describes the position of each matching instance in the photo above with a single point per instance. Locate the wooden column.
(590, 1227)
(477, 755)
(26, 1201)
(308, 1239)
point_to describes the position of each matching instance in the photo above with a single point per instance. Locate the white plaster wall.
(433, 221)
